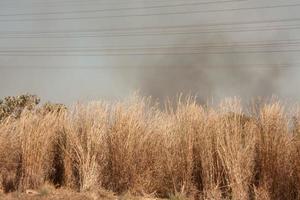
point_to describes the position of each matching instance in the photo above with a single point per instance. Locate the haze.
(64, 50)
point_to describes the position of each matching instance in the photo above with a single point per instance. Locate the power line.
(215, 44)
(98, 2)
(160, 27)
(136, 48)
(152, 34)
(156, 14)
(127, 8)
(249, 66)
(156, 53)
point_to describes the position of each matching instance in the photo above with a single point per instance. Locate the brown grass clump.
(83, 145)
(274, 146)
(10, 156)
(133, 144)
(28, 143)
(236, 140)
(36, 135)
(186, 151)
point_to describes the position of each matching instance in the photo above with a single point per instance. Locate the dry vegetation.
(187, 151)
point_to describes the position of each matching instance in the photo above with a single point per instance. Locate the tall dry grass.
(83, 145)
(184, 151)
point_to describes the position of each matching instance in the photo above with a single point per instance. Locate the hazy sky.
(69, 50)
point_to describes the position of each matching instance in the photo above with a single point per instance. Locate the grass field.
(186, 151)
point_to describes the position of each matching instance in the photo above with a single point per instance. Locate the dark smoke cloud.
(212, 75)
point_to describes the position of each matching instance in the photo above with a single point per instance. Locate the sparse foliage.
(13, 106)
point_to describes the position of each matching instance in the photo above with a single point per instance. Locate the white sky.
(81, 76)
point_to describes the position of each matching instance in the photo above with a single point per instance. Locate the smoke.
(210, 75)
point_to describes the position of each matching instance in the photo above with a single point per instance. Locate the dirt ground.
(62, 194)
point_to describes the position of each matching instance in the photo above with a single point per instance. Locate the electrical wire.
(127, 8)
(278, 28)
(139, 48)
(154, 14)
(172, 67)
(155, 53)
(203, 25)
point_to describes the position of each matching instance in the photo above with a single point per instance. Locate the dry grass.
(133, 147)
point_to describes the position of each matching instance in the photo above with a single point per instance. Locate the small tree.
(14, 105)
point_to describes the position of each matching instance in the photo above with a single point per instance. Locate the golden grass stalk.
(84, 129)
(186, 151)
